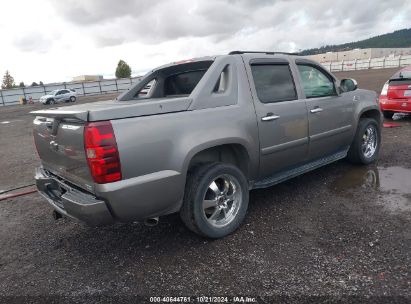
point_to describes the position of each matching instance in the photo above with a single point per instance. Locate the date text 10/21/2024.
(204, 299)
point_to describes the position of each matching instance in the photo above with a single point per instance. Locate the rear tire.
(215, 199)
(388, 114)
(366, 144)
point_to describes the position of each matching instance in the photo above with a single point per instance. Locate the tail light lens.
(384, 90)
(101, 152)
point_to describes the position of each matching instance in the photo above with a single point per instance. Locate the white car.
(63, 95)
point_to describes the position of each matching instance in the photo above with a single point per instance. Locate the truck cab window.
(315, 82)
(273, 82)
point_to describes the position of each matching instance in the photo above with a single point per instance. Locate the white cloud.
(52, 40)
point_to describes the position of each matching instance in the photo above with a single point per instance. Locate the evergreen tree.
(21, 85)
(41, 83)
(8, 81)
(397, 39)
(34, 84)
(123, 70)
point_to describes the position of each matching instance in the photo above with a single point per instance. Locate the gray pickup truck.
(195, 136)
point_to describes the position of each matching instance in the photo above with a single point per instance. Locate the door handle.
(355, 98)
(269, 117)
(316, 110)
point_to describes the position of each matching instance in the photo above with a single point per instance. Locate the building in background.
(360, 54)
(88, 78)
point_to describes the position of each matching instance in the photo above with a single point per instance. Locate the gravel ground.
(369, 79)
(341, 232)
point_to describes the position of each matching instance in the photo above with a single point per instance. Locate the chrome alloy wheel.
(369, 142)
(222, 200)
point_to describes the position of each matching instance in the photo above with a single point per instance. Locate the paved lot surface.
(369, 79)
(340, 231)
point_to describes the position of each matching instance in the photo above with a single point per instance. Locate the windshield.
(54, 92)
(404, 74)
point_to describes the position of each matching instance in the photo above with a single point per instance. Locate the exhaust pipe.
(57, 215)
(151, 222)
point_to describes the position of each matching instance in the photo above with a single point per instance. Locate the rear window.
(183, 83)
(402, 77)
(400, 82)
(171, 81)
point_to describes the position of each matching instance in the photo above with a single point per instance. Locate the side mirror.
(348, 85)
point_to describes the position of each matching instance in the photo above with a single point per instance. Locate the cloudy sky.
(54, 40)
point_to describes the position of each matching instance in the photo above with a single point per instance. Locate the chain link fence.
(107, 86)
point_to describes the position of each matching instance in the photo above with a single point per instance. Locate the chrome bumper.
(72, 202)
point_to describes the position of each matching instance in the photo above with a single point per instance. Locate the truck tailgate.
(59, 132)
(60, 144)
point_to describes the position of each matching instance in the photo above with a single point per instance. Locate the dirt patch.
(369, 79)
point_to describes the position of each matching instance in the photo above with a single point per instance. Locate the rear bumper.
(129, 200)
(71, 201)
(395, 105)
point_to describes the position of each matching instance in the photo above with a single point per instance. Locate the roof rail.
(260, 52)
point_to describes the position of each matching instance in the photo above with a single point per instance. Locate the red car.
(396, 94)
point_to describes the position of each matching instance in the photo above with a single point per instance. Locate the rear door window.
(273, 82)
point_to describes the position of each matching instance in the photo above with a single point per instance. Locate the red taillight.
(101, 152)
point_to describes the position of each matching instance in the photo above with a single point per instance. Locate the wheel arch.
(371, 113)
(234, 153)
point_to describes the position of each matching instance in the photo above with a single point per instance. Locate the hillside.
(400, 38)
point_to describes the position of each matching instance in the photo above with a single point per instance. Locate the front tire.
(215, 199)
(72, 98)
(388, 114)
(366, 144)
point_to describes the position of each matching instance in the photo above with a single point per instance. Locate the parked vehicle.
(64, 95)
(205, 133)
(396, 94)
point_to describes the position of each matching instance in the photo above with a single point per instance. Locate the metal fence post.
(99, 85)
(116, 85)
(2, 98)
(399, 61)
(342, 65)
(383, 62)
(369, 63)
(44, 89)
(24, 93)
(355, 65)
(84, 91)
